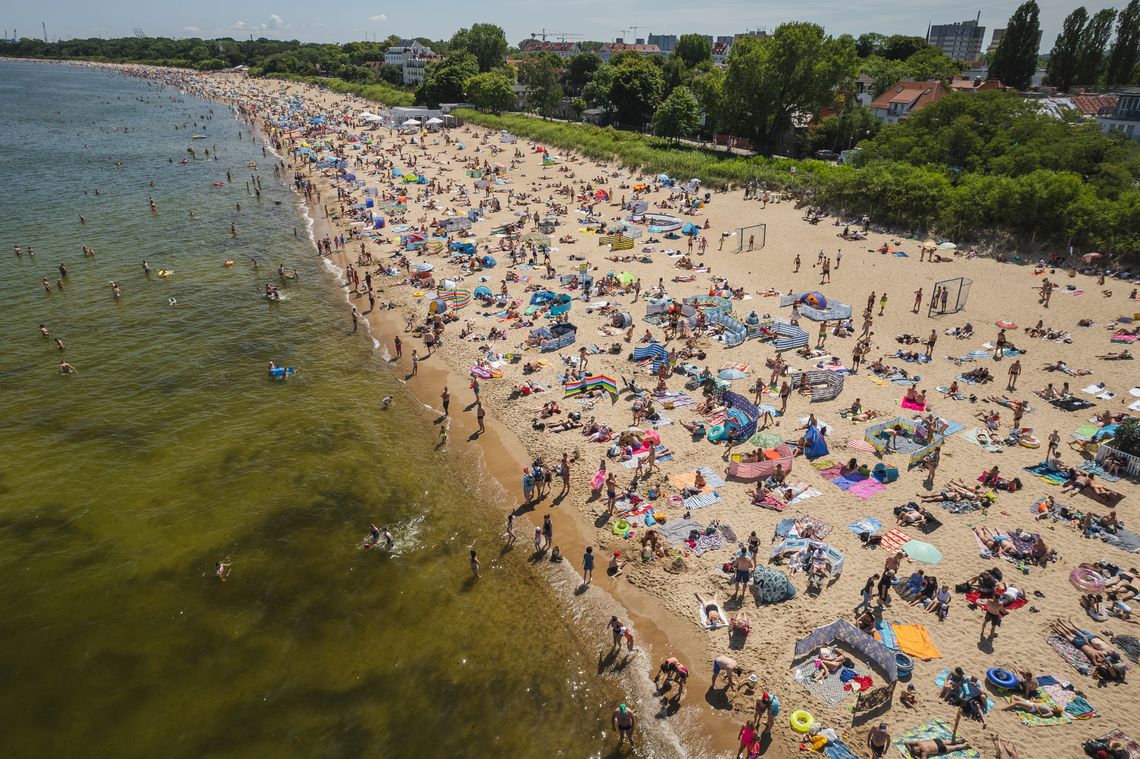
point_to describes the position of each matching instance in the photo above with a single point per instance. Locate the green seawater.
(122, 485)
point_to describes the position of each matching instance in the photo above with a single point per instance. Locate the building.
(561, 49)
(863, 84)
(978, 84)
(961, 41)
(905, 98)
(412, 58)
(665, 42)
(1124, 117)
(720, 51)
(609, 49)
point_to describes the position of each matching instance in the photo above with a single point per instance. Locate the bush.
(1127, 437)
(381, 92)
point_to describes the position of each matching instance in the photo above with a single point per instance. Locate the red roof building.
(904, 98)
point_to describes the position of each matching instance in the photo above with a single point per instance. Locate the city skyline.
(588, 20)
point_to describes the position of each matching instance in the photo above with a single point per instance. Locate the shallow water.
(122, 485)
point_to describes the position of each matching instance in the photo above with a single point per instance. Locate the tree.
(930, 63)
(1090, 51)
(444, 80)
(869, 44)
(842, 130)
(391, 73)
(708, 88)
(1126, 48)
(578, 106)
(899, 47)
(692, 49)
(486, 42)
(770, 79)
(1062, 70)
(1016, 57)
(491, 92)
(636, 90)
(597, 90)
(541, 76)
(678, 116)
(580, 69)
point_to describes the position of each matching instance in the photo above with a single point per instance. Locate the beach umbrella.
(922, 552)
(411, 122)
(765, 440)
(434, 120)
(948, 246)
(1005, 324)
(424, 267)
(1090, 257)
(731, 374)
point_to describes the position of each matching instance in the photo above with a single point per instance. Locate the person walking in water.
(475, 563)
(624, 721)
(355, 318)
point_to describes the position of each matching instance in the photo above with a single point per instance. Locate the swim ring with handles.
(1087, 580)
(1028, 441)
(1002, 678)
(621, 527)
(801, 721)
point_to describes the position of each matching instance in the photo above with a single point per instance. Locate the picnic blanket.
(1094, 467)
(1064, 696)
(869, 525)
(895, 540)
(677, 530)
(927, 731)
(1074, 657)
(1036, 720)
(1042, 472)
(831, 689)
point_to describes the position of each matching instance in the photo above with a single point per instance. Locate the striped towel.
(895, 540)
(862, 446)
(712, 479)
(771, 502)
(678, 400)
(701, 500)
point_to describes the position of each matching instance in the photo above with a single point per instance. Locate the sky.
(349, 20)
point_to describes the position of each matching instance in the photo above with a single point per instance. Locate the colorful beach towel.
(928, 731)
(915, 640)
(1073, 656)
(895, 540)
(869, 525)
(907, 404)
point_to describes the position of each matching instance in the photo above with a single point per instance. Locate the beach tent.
(842, 631)
(771, 586)
(690, 229)
(411, 122)
(541, 298)
(560, 305)
(814, 443)
(433, 121)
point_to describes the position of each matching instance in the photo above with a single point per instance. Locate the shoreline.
(659, 615)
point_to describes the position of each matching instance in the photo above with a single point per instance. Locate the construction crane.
(560, 35)
(622, 32)
(634, 30)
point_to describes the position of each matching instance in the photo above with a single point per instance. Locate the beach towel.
(713, 479)
(771, 502)
(1130, 744)
(885, 632)
(858, 444)
(940, 680)
(683, 480)
(1065, 697)
(1074, 657)
(676, 400)
(973, 597)
(661, 456)
(677, 530)
(895, 539)
(869, 525)
(935, 728)
(1094, 467)
(803, 496)
(822, 464)
(915, 640)
(907, 404)
(702, 500)
(975, 435)
(1043, 472)
(867, 488)
(1125, 540)
(1036, 720)
(837, 749)
(847, 481)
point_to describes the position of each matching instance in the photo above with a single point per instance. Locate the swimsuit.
(940, 745)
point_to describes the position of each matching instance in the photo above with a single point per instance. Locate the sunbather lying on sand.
(936, 747)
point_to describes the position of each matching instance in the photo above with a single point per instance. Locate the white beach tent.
(434, 120)
(411, 122)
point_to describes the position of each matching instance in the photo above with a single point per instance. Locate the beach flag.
(589, 383)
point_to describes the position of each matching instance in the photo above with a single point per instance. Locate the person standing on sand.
(885, 582)
(917, 300)
(930, 341)
(767, 708)
(797, 264)
(399, 347)
(547, 531)
(868, 592)
(415, 363)
(445, 396)
(564, 473)
(479, 414)
(742, 567)
(882, 303)
(624, 721)
(879, 740)
(1014, 373)
(588, 565)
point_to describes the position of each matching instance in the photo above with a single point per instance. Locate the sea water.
(170, 449)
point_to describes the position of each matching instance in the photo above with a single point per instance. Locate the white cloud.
(191, 29)
(238, 26)
(378, 17)
(275, 21)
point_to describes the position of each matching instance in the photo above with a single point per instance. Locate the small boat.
(198, 137)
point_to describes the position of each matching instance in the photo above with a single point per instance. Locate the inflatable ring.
(418, 294)
(1086, 580)
(1002, 678)
(801, 721)
(229, 262)
(621, 527)
(1029, 441)
(904, 664)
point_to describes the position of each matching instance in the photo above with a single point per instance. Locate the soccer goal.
(751, 238)
(949, 296)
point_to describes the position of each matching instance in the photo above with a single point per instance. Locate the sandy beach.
(660, 595)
